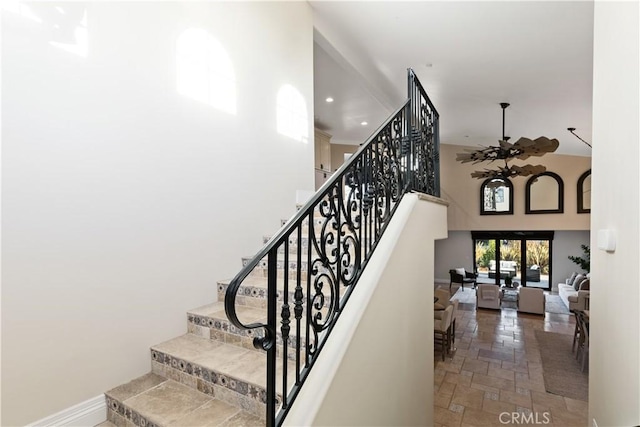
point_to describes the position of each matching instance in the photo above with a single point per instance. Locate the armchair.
(531, 300)
(488, 296)
(461, 276)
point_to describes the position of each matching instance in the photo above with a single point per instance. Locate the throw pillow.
(584, 285)
(460, 271)
(572, 278)
(576, 282)
(488, 294)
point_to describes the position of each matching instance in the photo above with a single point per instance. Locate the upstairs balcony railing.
(315, 260)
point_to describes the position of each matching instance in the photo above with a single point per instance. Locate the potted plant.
(584, 261)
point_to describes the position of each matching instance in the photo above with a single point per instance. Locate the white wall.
(453, 252)
(123, 201)
(614, 376)
(384, 377)
(567, 243)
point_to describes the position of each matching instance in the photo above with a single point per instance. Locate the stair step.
(261, 268)
(233, 374)
(253, 292)
(153, 400)
(213, 376)
(210, 321)
(256, 286)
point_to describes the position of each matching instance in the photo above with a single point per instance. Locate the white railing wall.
(378, 367)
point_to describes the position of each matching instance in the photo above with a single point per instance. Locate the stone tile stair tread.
(248, 281)
(105, 424)
(216, 311)
(227, 359)
(246, 315)
(169, 403)
(261, 282)
(280, 257)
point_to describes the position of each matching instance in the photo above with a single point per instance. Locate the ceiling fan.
(522, 149)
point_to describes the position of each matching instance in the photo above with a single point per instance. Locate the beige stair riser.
(261, 270)
(224, 332)
(293, 244)
(256, 297)
(123, 416)
(280, 264)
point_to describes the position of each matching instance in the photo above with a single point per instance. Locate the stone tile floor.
(495, 376)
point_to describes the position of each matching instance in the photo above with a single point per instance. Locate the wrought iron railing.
(315, 260)
(426, 139)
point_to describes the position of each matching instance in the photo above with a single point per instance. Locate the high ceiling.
(469, 56)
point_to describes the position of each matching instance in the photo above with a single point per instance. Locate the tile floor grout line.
(485, 331)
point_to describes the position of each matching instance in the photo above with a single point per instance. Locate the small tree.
(485, 253)
(585, 261)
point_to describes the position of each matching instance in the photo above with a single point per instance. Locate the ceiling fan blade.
(522, 149)
(527, 170)
(523, 142)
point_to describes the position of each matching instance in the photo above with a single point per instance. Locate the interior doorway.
(522, 257)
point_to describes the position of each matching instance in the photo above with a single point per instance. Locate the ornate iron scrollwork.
(332, 238)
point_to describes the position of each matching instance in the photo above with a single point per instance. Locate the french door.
(517, 256)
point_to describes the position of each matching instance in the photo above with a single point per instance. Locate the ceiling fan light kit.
(522, 149)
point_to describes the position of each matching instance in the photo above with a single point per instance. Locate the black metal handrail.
(325, 247)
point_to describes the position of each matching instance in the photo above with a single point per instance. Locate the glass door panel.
(485, 253)
(509, 265)
(537, 267)
(501, 255)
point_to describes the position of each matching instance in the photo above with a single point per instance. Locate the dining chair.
(441, 330)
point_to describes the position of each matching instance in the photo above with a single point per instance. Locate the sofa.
(507, 269)
(574, 292)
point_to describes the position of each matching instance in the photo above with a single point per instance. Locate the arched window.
(496, 197)
(584, 192)
(291, 111)
(544, 193)
(204, 70)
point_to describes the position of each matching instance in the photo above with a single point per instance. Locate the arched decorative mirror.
(584, 192)
(496, 197)
(544, 194)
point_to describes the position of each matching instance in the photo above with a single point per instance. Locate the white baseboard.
(86, 414)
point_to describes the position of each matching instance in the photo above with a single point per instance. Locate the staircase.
(212, 375)
(287, 299)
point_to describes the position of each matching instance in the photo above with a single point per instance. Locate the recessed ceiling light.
(364, 123)
(329, 99)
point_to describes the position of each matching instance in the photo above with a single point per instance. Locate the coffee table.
(510, 294)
